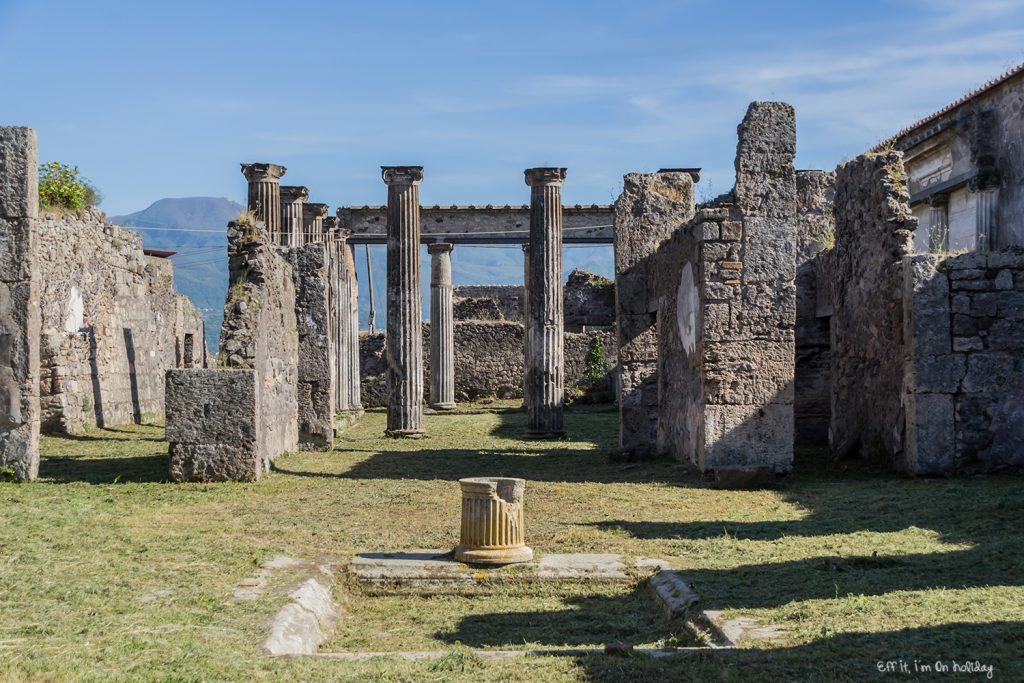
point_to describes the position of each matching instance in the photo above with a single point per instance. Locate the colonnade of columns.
(294, 221)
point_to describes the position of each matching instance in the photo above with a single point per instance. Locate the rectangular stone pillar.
(19, 306)
(315, 366)
(651, 207)
(405, 336)
(545, 366)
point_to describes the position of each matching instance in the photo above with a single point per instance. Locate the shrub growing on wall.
(62, 187)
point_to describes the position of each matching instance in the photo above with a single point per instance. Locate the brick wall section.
(260, 335)
(815, 232)
(727, 311)
(651, 207)
(488, 360)
(874, 232)
(19, 303)
(112, 324)
(964, 374)
(316, 373)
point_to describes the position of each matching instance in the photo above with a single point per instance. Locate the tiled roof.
(999, 80)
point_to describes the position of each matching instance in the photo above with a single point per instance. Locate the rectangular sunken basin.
(527, 615)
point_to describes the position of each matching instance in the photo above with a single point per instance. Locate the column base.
(443, 406)
(405, 433)
(493, 555)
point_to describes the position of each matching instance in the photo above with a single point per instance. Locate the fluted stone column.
(265, 195)
(526, 319)
(442, 328)
(313, 215)
(293, 197)
(341, 305)
(545, 366)
(355, 400)
(405, 337)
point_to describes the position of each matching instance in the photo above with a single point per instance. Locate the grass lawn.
(109, 572)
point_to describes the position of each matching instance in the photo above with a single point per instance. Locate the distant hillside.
(200, 267)
(195, 228)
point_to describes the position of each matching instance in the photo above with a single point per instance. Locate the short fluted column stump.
(492, 521)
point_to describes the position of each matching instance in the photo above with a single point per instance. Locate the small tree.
(597, 368)
(62, 187)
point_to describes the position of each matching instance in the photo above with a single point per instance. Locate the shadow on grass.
(136, 469)
(587, 621)
(841, 657)
(550, 465)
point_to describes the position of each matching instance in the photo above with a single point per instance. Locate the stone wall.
(874, 230)
(317, 357)
(964, 373)
(726, 297)
(488, 360)
(481, 302)
(259, 335)
(588, 301)
(19, 304)
(112, 324)
(815, 228)
(651, 207)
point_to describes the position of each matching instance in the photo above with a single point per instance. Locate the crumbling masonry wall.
(316, 350)
(112, 324)
(874, 231)
(257, 374)
(488, 360)
(19, 303)
(650, 208)
(964, 372)
(815, 232)
(726, 297)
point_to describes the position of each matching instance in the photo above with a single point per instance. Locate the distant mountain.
(196, 228)
(183, 212)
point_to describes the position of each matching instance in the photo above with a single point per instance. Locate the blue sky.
(157, 100)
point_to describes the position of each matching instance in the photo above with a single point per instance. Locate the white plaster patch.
(75, 319)
(686, 308)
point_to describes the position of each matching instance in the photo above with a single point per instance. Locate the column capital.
(545, 175)
(439, 248)
(259, 171)
(315, 209)
(340, 234)
(330, 223)
(938, 200)
(294, 193)
(402, 175)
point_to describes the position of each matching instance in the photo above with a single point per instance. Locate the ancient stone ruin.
(875, 310)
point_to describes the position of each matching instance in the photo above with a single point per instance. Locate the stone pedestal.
(492, 521)
(545, 367)
(293, 197)
(313, 215)
(265, 195)
(404, 337)
(442, 330)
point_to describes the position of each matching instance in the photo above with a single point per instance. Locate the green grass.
(109, 572)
